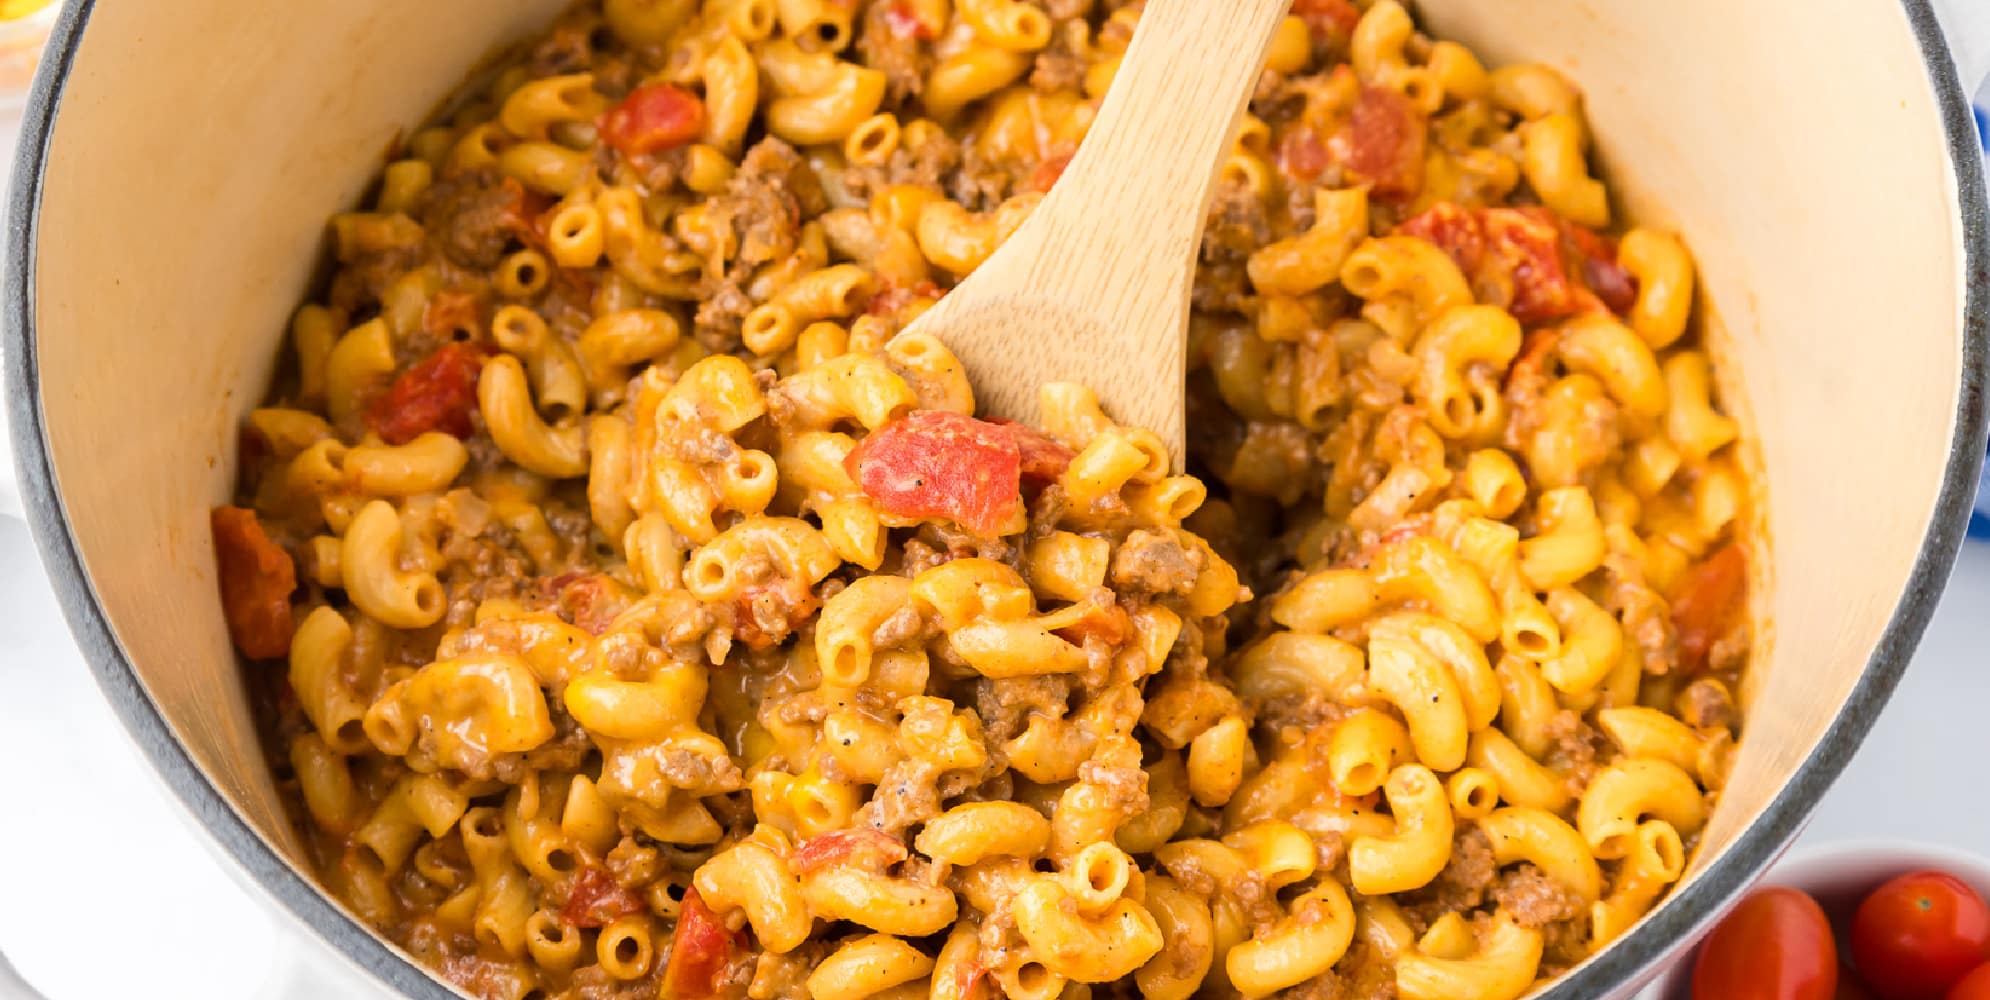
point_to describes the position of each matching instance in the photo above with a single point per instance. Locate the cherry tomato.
(1775, 946)
(1975, 986)
(1915, 936)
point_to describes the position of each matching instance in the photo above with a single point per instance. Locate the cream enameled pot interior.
(198, 147)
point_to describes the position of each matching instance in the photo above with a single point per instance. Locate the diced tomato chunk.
(257, 578)
(1301, 154)
(597, 900)
(653, 118)
(1043, 458)
(863, 846)
(1709, 604)
(437, 393)
(936, 463)
(1047, 173)
(904, 23)
(1328, 19)
(1383, 143)
(1451, 229)
(700, 950)
(589, 600)
(1536, 264)
(1526, 245)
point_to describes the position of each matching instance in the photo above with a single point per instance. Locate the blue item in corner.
(1979, 520)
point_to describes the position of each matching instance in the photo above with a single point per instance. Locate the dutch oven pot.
(180, 158)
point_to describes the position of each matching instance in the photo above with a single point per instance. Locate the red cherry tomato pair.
(1922, 936)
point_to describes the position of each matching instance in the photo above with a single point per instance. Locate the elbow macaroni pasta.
(658, 616)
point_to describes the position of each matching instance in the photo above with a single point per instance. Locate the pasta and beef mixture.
(644, 612)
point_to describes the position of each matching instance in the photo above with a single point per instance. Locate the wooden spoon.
(1094, 286)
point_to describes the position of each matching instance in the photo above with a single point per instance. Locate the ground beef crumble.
(1462, 885)
(1006, 704)
(1707, 703)
(1155, 562)
(1534, 899)
(472, 216)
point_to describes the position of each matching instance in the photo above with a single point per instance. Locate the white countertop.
(107, 892)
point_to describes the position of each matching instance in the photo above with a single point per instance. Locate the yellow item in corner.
(13, 10)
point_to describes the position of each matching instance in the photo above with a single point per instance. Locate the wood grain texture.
(1094, 287)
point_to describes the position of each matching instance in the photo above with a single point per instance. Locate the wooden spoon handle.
(1147, 168)
(1094, 287)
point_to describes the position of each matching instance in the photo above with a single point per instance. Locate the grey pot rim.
(1635, 958)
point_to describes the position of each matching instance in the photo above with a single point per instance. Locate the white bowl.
(1839, 875)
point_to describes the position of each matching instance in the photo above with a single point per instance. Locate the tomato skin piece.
(257, 578)
(1048, 172)
(936, 463)
(1301, 154)
(437, 393)
(905, 24)
(654, 117)
(700, 950)
(1451, 229)
(1974, 986)
(589, 600)
(596, 900)
(1708, 603)
(863, 846)
(1918, 934)
(1776, 945)
(1527, 245)
(1383, 143)
(1328, 20)
(1108, 624)
(1043, 458)
(968, 976)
